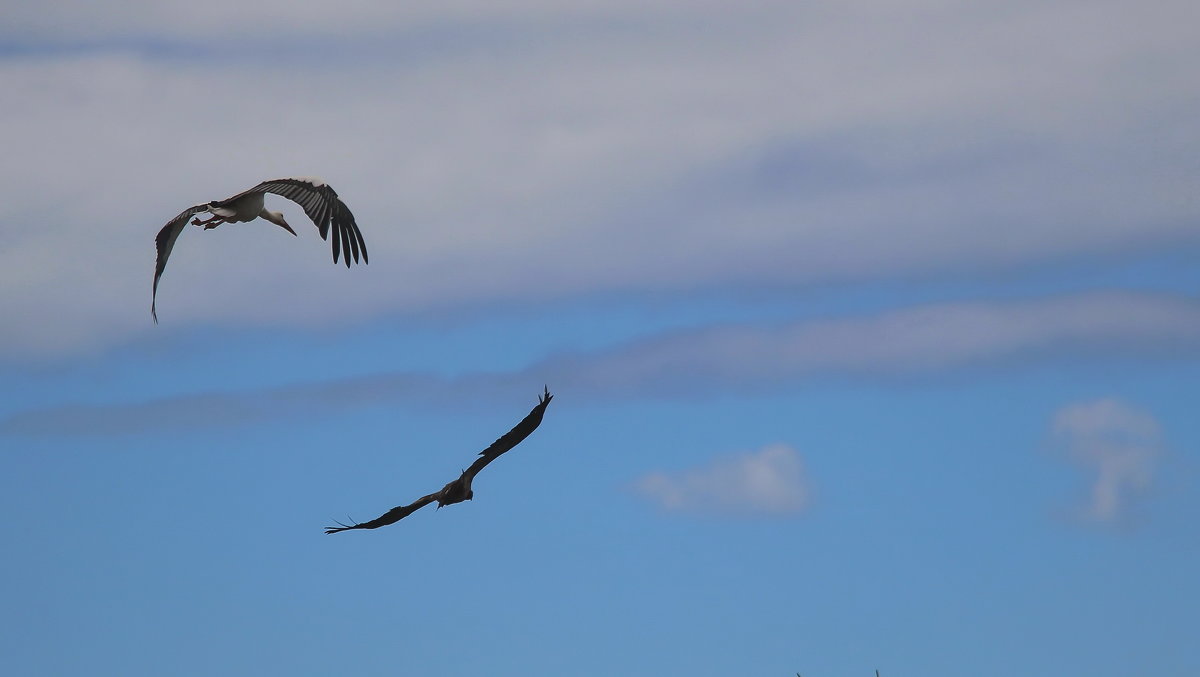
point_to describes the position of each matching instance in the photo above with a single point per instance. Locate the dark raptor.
(459, 490)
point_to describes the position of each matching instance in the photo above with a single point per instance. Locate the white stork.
(320, 203)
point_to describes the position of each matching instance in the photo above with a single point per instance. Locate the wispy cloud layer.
(771, 480)
(905, 342)
(1117, 445)
(908, 342)
(537, 150)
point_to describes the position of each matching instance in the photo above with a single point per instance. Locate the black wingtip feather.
(346, 238)
(336, 243)
(352, 237)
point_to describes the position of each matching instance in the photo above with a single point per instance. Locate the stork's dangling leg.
(211, 223)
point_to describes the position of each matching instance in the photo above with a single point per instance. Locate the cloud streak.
(1118, 446)
(906, 342)
(770, 481)
(903, 343)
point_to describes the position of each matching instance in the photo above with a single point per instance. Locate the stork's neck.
(274, 217)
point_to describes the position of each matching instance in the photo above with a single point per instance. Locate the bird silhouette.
(320, 203)
(459, 490)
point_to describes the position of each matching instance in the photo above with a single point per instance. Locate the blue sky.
(873, 330)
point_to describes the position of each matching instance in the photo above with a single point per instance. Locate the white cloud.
(771, 481)
(1117, 445)
(265, 20)
(612, 147)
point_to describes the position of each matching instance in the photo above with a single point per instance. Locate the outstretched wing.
(322, 204)
(513, 437)
(164, 242)
(390, 517)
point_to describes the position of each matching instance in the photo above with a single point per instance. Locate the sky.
(873, 330)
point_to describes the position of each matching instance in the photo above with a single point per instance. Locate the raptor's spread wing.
(513, 437)
(390, 517)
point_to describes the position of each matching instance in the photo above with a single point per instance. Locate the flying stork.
(320, 203)
(459, 490)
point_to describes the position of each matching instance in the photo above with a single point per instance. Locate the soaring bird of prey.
(460, 489)
(318, 199)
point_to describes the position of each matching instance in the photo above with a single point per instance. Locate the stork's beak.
(284, 225)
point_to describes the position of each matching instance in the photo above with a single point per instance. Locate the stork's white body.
(246, 208)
